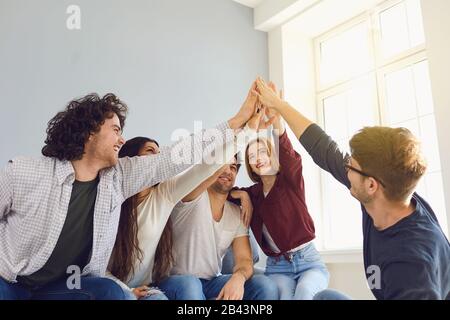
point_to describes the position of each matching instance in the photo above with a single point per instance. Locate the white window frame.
(381, 67)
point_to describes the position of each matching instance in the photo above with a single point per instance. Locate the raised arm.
(290, 160)
(271, 99)
(138, 173)
(198, 177)
(323, 150)
(194, 194)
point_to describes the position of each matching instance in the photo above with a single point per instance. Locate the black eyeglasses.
(349, 167)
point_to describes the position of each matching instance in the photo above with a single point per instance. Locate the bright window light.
(345, 55)
(344, 114)
(401, 28)
(391, 88)
(410, 105)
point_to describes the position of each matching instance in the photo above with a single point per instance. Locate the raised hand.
(267, 94)
(270, 99)
(259, 122)
(247, 110)
(271, 112)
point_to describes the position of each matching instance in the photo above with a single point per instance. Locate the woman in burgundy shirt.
(281, 222)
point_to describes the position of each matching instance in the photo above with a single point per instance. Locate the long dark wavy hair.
(68, 131)
(126, 249)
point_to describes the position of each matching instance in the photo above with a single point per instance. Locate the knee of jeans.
(190, 282)
(266, 287)
(321, 295)
(307, 290)
(4, 290)
(5, 293)
(189, 285)
(305, 293)
(157, 296)
(107, 289)
(129, 295)
(330, 294)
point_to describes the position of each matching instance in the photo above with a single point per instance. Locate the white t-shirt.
(155, 210)
(200, 242)
(153, 214)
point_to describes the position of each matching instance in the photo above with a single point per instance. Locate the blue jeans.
(92, 288)
(187, 287)
(157, 296)
(301, 276)
(330, 294)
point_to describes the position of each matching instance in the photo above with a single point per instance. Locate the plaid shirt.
(35, 195)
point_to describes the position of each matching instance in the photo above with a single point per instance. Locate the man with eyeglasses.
(403, 241)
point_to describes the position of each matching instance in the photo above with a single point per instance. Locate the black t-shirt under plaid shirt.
(75, 241)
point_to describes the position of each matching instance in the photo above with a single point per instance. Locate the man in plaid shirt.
(59, 213)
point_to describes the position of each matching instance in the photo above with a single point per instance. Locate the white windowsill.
(342, 256)
(328, 257)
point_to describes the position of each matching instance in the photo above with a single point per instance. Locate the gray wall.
(172, 61)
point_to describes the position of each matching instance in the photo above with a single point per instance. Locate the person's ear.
(372, 185)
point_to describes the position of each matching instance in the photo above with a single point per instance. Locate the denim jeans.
(301, 276)
(157, 296)
(330, 294)
(187, 287)
(91, 288)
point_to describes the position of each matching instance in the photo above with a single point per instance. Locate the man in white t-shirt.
(205, 224)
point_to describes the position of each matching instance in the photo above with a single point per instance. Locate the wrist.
(279, 128)
(281, 105)
(236, 122)
(240, 275)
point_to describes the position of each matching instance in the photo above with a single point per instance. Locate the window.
(373, 70)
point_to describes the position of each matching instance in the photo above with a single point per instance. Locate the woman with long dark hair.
(128, 254)
(142, 255)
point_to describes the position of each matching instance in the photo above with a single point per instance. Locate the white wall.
(349, 278)
(437, 29)
(172, 61)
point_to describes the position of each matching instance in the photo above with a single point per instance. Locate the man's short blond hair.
(392, 155)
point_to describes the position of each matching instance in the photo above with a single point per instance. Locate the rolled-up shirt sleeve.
(138, 173)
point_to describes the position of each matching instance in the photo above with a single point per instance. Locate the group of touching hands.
(258, 112)
(260, 108)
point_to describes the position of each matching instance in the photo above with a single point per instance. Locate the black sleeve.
(325, 152)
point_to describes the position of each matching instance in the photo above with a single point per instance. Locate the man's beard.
(361, 196)
(219, 188)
